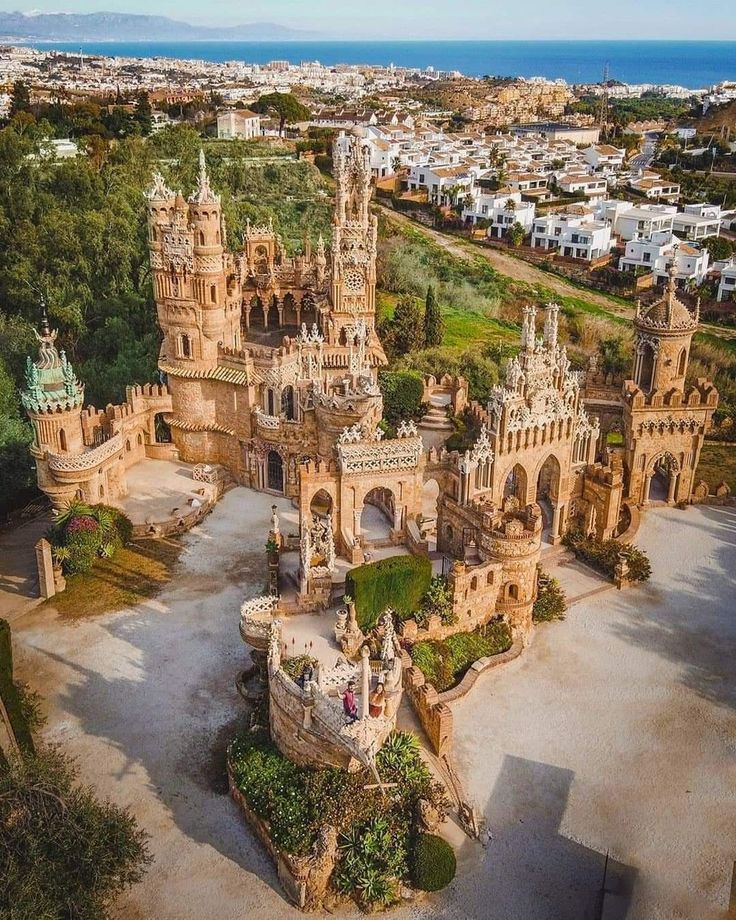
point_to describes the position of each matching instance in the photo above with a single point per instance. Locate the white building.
(444, 184)
(656, 255)
(655, 187)
(590, 186)
(644, 221)
(575, 236)
(727, 285)
(240, 123)
(604, 157)
(694, 226)
(502, 209)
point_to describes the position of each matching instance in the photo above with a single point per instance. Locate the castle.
(271, 367)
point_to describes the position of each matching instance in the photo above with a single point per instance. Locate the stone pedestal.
(45, 564)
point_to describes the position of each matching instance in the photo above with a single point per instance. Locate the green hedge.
(9, 692)
(434, 864)
(399, 582)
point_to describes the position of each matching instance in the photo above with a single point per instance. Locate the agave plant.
(74, 508)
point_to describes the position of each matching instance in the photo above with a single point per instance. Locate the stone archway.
(321, 503)
(516, 484)
(548, 493)
(662, 479)
(377, 517)
(274, 471)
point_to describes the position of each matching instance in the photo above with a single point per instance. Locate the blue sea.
(695, 65)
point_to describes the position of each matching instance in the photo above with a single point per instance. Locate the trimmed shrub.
(399, 582)
(550, 603)
(433, 863)
(437, 602)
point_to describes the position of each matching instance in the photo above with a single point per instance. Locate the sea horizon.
(693, 64)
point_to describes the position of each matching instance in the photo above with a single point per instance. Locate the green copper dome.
(51, 384)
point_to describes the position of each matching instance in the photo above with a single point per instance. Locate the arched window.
(185, 346)
(646, 369)
(62, 439)
(489, 578)
(474, 583)
(270, 402)
(682, 363)
(127, 445)
(140, 439)
(213, 293)
(201, 237)
(287, 403)
(513, 592)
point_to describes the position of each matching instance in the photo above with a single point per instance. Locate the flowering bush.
(82, 533)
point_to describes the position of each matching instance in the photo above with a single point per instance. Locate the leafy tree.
(613, 355)
(404, 332)
(63, 853)
(20, 100)
(719, 247)
(516, 234)
(284, 106)
(402, 394)
(433, 324)
(143, 114)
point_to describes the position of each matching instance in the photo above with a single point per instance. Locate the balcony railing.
(74, 463)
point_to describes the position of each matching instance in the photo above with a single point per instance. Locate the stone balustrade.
(88, 459)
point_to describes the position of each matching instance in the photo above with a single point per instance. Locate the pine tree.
(403, 333)
(433, 325)
(20, 100)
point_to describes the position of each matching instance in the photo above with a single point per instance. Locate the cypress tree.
(433, 325)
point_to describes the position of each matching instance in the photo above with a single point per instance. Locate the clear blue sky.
(437, 19)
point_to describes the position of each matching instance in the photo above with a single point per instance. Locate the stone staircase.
(436, 419)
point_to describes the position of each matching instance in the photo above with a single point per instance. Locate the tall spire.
(671, 285)
(551, 320)
(203, 193)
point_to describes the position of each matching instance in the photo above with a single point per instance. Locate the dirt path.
(519, 270)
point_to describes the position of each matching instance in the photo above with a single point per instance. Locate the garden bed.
(444, 663)
(301, 811)
(605, 555)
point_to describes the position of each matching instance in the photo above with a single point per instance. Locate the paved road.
(615, 730)
(643, 159)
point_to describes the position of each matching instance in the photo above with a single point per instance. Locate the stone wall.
(435, 717)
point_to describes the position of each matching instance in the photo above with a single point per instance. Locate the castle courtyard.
(613, 732)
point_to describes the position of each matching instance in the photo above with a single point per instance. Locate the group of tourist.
(376, 701)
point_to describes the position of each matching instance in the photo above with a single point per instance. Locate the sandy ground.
(614, 730)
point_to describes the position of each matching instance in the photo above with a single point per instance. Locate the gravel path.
(615, 729)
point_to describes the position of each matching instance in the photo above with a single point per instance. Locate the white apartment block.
(502, 209)
(240, 124)
(604, 157)
(590, 186)
(643, 221)
(575, 236)
(445, 184)
(656, 255)
(696, 227)
(655, 187)
(727, 284)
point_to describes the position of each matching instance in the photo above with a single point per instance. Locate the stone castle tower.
(53, 399)
(354, 235)
(664, 425)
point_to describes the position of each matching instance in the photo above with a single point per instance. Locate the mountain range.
(131, 27)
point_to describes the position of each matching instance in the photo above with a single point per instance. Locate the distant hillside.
(130, 27)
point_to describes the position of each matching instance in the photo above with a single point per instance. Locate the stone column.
(44, 561)
(555, 535)
(671, 488)
(365, 681)
(647, 484)
(356, 522)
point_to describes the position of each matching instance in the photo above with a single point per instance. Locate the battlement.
(703, 395)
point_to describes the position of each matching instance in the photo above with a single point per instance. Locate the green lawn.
(136, 572)
(717, 463)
